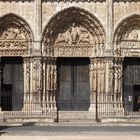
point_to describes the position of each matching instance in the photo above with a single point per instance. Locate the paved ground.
(71, 130)
(70, 137)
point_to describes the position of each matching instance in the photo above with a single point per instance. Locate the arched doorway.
(70, 39)
(15, 42)
(127, 48)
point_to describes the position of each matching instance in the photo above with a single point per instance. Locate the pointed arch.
(16, 35)
(62, 24)
(126, 26)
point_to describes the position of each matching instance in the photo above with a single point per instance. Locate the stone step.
(76, 116)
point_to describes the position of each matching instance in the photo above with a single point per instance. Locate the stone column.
(92, 82)
(1, 113)
(38, 29)
(26, 68)
(44, 85)
(51, 83)
(0, 84)
(36, 95)
(109, 36)
(108, 84)
(101, 96)
(118, 72)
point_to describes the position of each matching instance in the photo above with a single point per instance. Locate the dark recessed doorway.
(73, 84)
(11, 83)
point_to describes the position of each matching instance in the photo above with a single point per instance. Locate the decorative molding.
(75, 0)
(126, 0)
(128, 49)
(16, 0)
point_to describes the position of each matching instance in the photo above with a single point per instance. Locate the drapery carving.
(50, 84)
(118, 72)
(27, 89)
(37, 75)
(26, 66)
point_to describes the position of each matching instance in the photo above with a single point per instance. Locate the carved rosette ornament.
(15, 36)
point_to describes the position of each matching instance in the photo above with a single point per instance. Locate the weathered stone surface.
(41, 31)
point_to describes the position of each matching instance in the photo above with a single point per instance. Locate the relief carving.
(37, 75)
(12, 34)
(15, 36)
(75, 34)
(133, 34)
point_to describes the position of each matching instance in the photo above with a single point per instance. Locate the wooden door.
(73, 84)
(131, 83)
(12, 83)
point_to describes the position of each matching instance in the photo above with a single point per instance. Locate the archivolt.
(16, 37)
(15, 22)
(125, 26)
(66, 17)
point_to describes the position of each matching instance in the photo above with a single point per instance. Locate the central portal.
(73, 84)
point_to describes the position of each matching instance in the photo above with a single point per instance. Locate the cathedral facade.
(70, 59)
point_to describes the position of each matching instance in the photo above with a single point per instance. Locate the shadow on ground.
(2, 128)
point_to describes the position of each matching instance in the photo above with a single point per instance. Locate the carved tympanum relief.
(13, 39)
(75, 34)
(12, 34)
(74, 40)
(15, 36)
(132, 34)
(129, 43)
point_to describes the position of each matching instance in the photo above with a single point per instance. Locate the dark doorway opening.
(11, 83)
(136, 94)
(131, 83)
(73, 84)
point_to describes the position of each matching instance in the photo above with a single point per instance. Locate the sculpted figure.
(12, 33)
(74, 32)
(84, 36)
(133, 35)
(63, 37)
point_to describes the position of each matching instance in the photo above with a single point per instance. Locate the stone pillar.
(118, 72)
(0, 84)
(26, 68)
(50, 82)
(109, 36)
(1, 113)
(101, 96)
(36, 95)
(92, 82)
(38, 31)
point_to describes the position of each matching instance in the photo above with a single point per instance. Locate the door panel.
(73, 84)
(65, 83)
(131, 83)
(12, 85)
